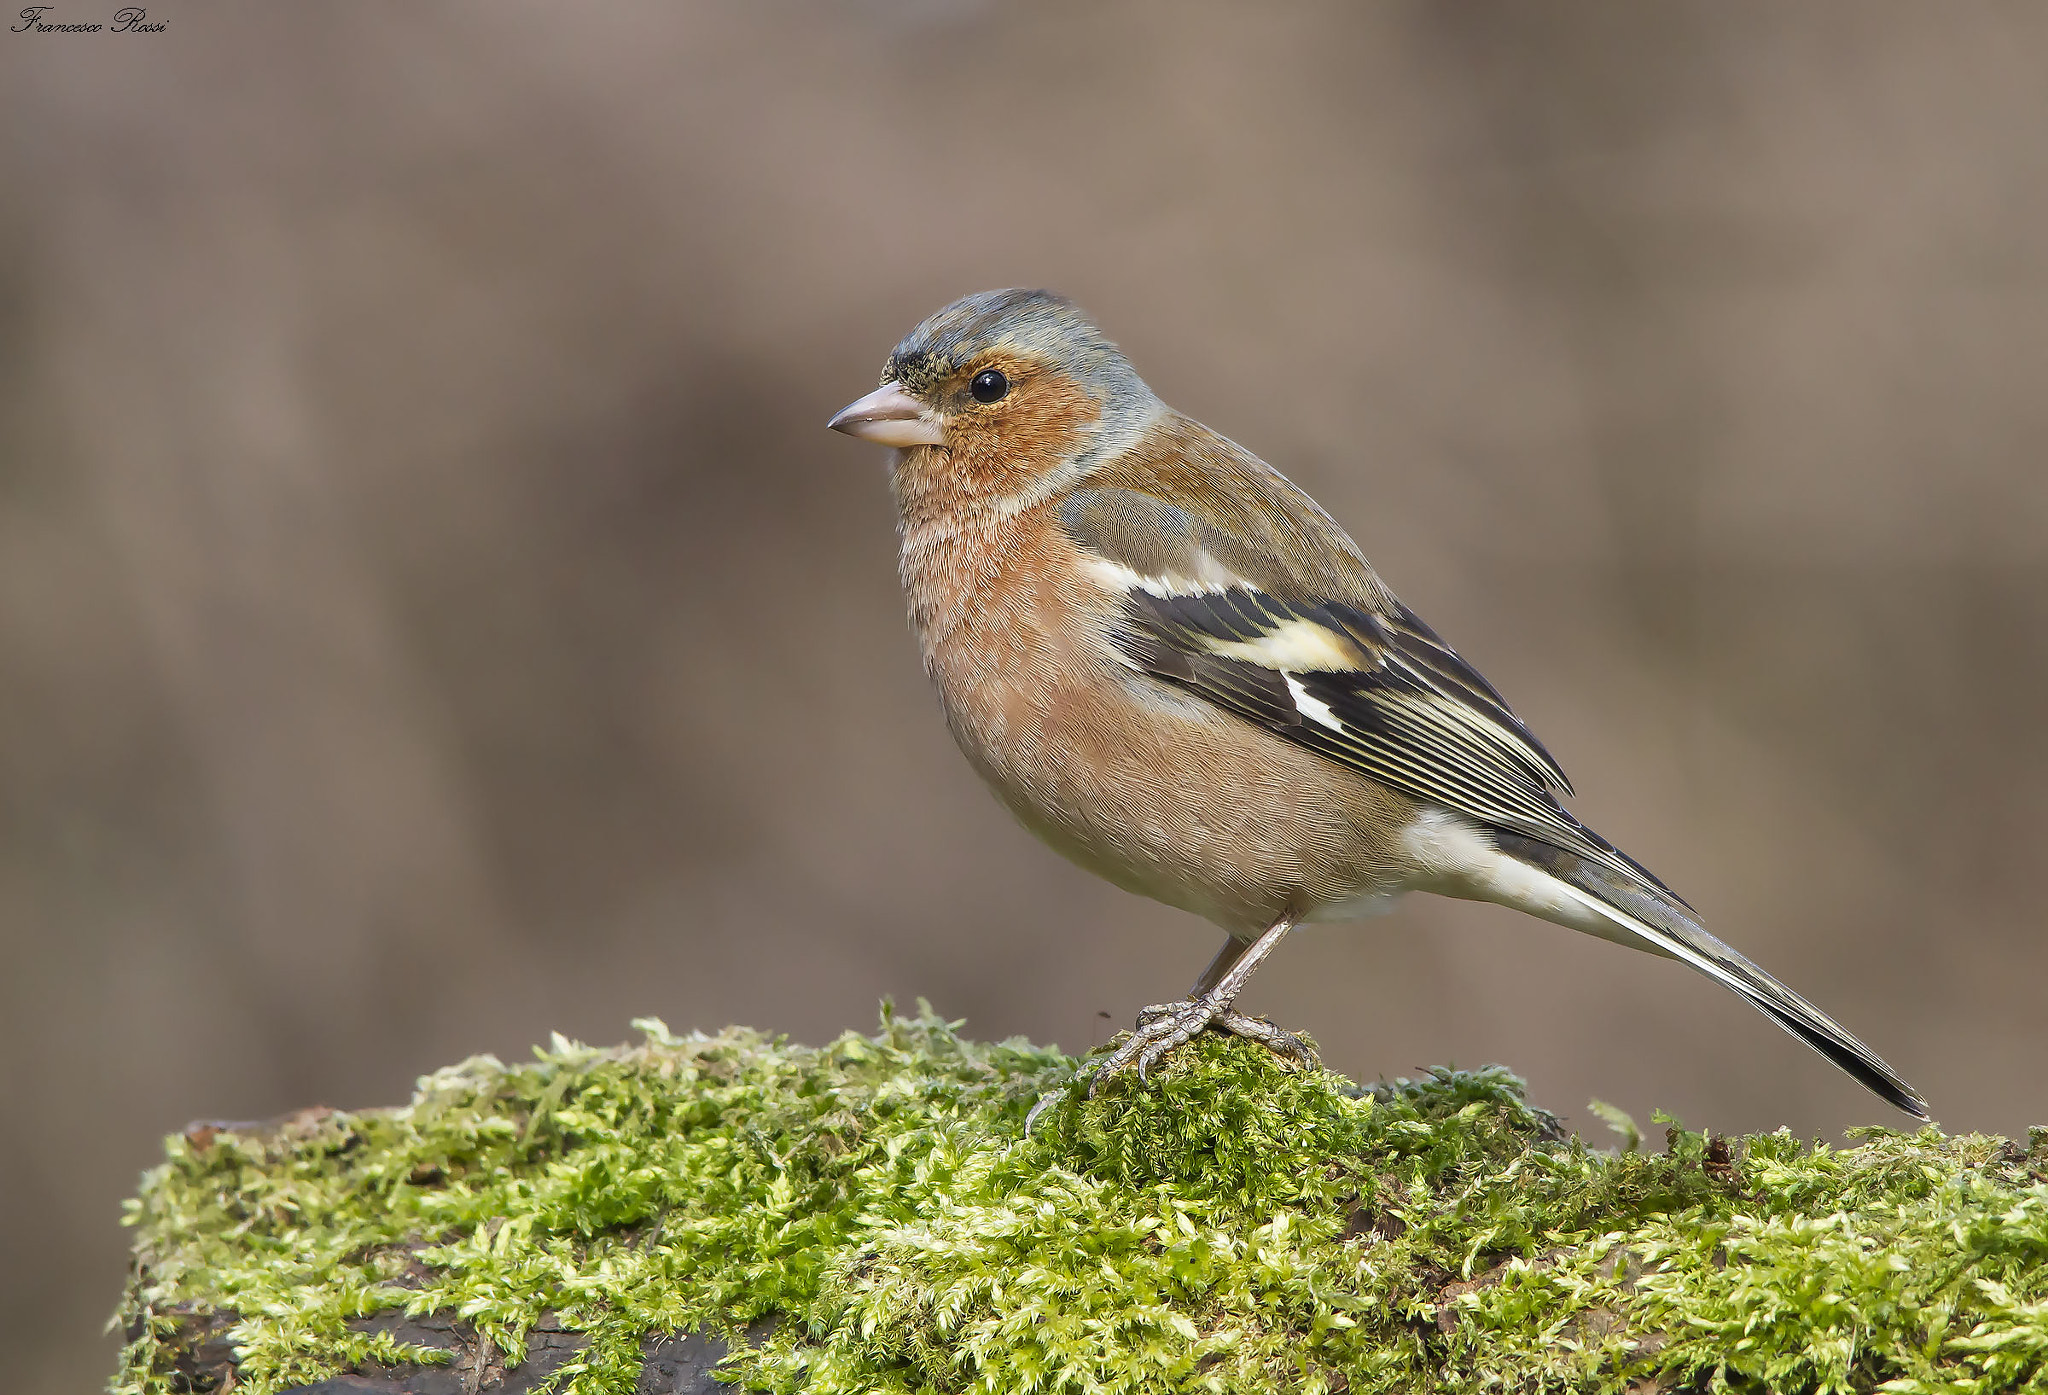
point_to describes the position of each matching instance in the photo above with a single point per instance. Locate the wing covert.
(1369, 685)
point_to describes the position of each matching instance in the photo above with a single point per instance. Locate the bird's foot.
(1165, 1026)
(1281, 1043)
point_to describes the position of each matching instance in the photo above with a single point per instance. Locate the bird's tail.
(1654, 918)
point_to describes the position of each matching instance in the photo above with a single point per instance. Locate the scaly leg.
(1233, 950)
(1165, 1026)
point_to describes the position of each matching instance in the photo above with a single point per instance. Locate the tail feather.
(1661, 923)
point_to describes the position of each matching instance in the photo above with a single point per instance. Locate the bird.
(1176, 669)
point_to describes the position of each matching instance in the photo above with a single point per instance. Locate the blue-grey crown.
(1032, 323)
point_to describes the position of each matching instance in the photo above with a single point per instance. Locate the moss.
(1239, 1226)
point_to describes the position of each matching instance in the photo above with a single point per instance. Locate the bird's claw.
(1274, 1039)
(1148, 1015)
(1163, 1027)
(1045, 1102)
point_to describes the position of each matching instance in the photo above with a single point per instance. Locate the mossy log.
(872, 1216)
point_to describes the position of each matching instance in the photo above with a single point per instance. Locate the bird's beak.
(889, 416)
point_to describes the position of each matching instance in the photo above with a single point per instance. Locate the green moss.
(1239, 1226)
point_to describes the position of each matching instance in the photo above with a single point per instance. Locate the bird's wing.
(1361, 680)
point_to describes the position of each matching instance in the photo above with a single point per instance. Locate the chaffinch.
(1181, 673)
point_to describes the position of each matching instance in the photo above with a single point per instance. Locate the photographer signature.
(129, 19)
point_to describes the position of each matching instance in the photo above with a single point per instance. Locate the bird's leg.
(1168, 1025)
(1233, 950)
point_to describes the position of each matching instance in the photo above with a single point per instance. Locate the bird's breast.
(1154, 789)
(1011, 629)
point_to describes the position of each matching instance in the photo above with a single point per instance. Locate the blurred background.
(432, 612)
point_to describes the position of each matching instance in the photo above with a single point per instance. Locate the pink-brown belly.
(1150, 788)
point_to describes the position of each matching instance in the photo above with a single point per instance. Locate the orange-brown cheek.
(1043, 427)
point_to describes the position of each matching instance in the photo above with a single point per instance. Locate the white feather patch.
(1301, 645)
(1457, 859)
(1313, 708)
(1118, 577)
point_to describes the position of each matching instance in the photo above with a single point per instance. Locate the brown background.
(432, 613)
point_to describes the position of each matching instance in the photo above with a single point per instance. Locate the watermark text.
(129, 19)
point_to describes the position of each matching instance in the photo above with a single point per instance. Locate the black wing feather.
(1409, 712)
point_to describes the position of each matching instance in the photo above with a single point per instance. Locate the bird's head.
(1001, 389)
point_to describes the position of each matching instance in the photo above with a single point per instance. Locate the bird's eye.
(988, 385)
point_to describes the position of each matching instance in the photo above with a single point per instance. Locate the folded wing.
(1363, 681)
